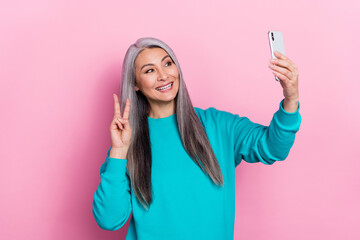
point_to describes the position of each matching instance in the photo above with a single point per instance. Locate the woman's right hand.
(120, 130)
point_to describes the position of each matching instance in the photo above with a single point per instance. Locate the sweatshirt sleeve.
(112, 199)
(254, 142)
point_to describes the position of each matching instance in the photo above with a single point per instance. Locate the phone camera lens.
(272, 36)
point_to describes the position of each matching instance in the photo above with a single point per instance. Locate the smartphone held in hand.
(276, 44)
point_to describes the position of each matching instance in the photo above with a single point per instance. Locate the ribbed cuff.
(116, 166)
(288, 119)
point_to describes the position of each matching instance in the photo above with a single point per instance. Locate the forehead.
(150, 55)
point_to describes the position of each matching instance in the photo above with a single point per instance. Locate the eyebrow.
(150, 64)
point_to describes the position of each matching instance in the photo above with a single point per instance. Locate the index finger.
(116, 105)
(285, 64)
(282, 56)
(126, 110)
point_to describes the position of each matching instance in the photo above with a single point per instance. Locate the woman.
(173, 165)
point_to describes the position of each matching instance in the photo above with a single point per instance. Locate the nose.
(163, 75)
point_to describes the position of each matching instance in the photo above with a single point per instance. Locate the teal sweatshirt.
(187, 205)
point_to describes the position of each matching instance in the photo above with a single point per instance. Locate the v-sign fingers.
(116, 105)
(126, 110)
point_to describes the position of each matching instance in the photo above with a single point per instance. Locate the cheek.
(174, 72)
(147, 81)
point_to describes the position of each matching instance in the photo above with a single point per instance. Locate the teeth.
(165, 87)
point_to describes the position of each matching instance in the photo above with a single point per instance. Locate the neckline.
(162, 121)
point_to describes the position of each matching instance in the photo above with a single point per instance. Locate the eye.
(149, 70)
(169, 62)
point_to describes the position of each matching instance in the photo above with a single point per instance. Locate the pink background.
(60, 63)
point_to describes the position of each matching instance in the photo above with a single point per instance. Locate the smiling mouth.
(167, 87)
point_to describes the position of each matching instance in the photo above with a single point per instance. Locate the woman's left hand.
(288, 74)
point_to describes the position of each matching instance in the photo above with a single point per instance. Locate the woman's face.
(153, 69)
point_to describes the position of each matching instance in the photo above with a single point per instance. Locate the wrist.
(292, 99)
(118, 153)
(290, 105)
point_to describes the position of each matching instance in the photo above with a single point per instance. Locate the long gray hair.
(193, 135)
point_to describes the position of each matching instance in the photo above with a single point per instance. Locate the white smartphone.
(276, 42)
